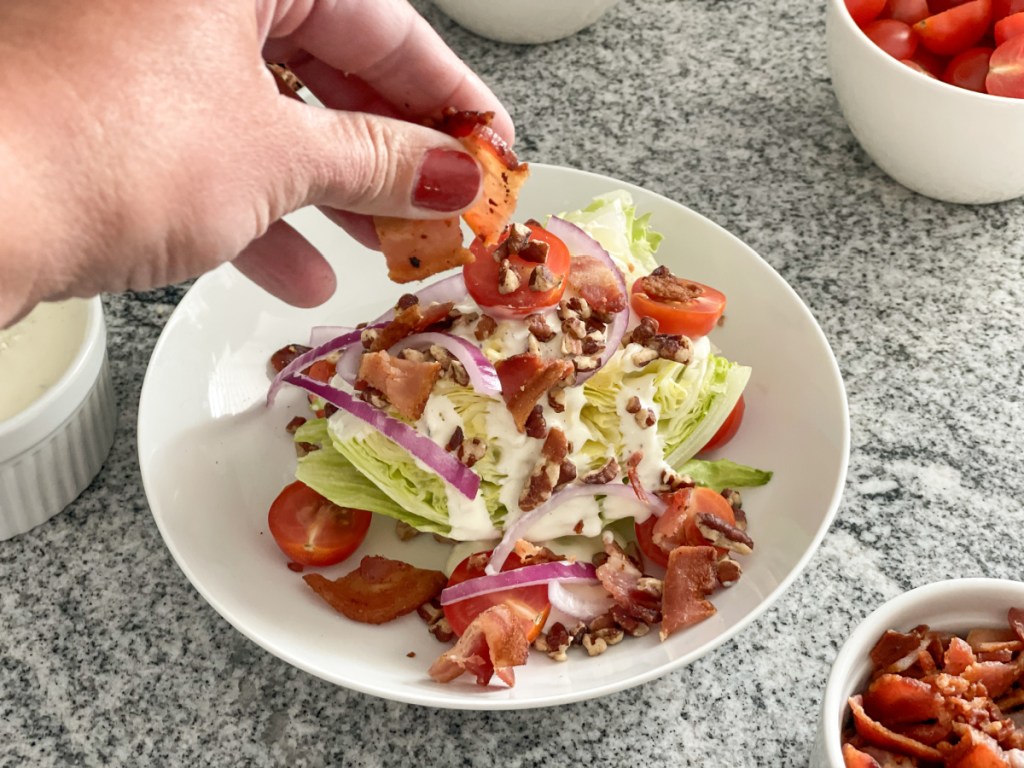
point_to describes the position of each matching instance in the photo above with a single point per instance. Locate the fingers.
(394, 51)
(359, 226)
(375, 165)
(283, 263)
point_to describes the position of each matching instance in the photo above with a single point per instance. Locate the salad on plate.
(544, 410)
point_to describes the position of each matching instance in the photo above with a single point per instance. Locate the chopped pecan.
(518, 237)
(595, 646)
(542, 279)
(644, 332)
(584, 363)
(538, 327)
(642, 357)
(471, 451)
(293, 426)
(633, 405)
(611, 635)
(662, 285)
(574, 327)
(729, 571)
(369, 337)
(557, 641)
(455, 441)
(536, 426)
(556, 399)
(571, 346)
(645, 418)
(406, 300)
(485, 327)
(535, 251)
(605, 474)
(546, 473)
(593, 342)
(721, 534)
(566, 474)
(508, 279)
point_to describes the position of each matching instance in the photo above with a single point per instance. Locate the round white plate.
(213, 457)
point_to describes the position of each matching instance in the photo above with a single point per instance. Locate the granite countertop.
(108, 656)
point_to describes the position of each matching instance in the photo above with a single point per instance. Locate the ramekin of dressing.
(57, 411)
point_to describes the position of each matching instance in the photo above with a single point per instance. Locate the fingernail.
(448, 181)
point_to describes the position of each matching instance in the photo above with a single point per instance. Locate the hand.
(145, 143)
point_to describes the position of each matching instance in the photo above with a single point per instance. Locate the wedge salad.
(542, 410)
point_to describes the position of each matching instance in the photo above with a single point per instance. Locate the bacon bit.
(621, 578)
(997, 677)
(691, 575)
(407, 321)
(898, 700)
(418, 248)
(525, 379)
(976, 750)
(990, 640)
(854, 758)
(1015, 616)
(493, 643)
(877, 734)
(633, 473)
(531, 554)
(896, 651)
(592, 279)
(959, 656)
(379, 590)
(406, 384)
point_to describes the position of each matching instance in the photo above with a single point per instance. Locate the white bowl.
(51, 450)
(942, 141)
(526, 21)
(957, 605)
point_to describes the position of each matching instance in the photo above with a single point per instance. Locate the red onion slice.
(584, 602)
(527, 576)
(580, 243)
(422, 447)
(482, 375)
(519, 528)
(306, 359)
(321, 334)
(451, 288)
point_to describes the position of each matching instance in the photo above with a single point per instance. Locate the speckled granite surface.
(109, 657)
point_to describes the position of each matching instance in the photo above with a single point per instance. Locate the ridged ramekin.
(53, 449)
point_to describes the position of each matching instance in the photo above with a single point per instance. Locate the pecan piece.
(721, 534)
(538, 327)
(485, 327)
(605, 474)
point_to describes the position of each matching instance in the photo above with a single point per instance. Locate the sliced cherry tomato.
(1009, 26)
(481, 276)
(968, 69)
(894, 37)
(1006, 69)
(864, 11)
(950, 32)
(907, 11)
(530, 604)
(678, 524)
(680, 306)
(729, 427)
(931, 63)
(313, 530)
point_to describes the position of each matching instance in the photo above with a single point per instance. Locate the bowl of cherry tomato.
(933, 90)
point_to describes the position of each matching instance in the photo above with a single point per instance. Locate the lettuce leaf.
(723, 473)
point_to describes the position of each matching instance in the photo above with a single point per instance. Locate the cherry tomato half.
(1008, 27)
(968, 69)
(729, 427)
(1006, 69)
(679, 522)
(313, 530)
(693, 310)
(530, 604)
(481, 276)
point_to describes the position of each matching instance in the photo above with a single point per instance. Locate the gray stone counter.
(109, 657)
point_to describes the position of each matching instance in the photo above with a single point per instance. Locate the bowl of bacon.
(934, 677)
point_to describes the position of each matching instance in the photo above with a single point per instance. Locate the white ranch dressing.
(37, 350)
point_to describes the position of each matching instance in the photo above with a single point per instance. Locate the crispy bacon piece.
(633, 473)
(492, 644)
(503, 176)
(525, 379)
(406, 384)
(895, 699)
(898, 651)
(379, 590)
(976, 750)
(1015, 617)
(591, 278)
(690, 577)
(854, 758)
(959, 656)
(877, 734)
(418, 248)
(622, 579)
(409, 320)
(996, 676)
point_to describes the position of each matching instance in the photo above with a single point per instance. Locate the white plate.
(213, 458)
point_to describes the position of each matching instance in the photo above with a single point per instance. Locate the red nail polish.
(449, 180)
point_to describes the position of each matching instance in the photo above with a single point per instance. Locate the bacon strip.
(415, 249)
(621, 578)
(525, 379)
(407, 321)
(379, 590)
(690, 577)
(405, 383)
(877, 734)
(492, 644)
(896, 699)
(593, 280)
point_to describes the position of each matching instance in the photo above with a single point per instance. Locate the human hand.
(145, 143)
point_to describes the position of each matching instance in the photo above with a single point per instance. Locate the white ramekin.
(957, 605)
(53, 449)
(526, 22)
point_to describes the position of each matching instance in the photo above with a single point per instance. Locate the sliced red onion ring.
(527, 576)
(306, 359)
(422, 447)
(580, 243)
(482, 376)
(518, 529)
(451, 288)
(584, 602)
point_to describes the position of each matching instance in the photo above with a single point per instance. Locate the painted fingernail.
(448, 181)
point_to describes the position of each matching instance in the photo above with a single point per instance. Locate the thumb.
(377, 165)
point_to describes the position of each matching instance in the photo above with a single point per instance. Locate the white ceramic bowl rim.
(891, 615)
(27, 428)
(843, 15)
